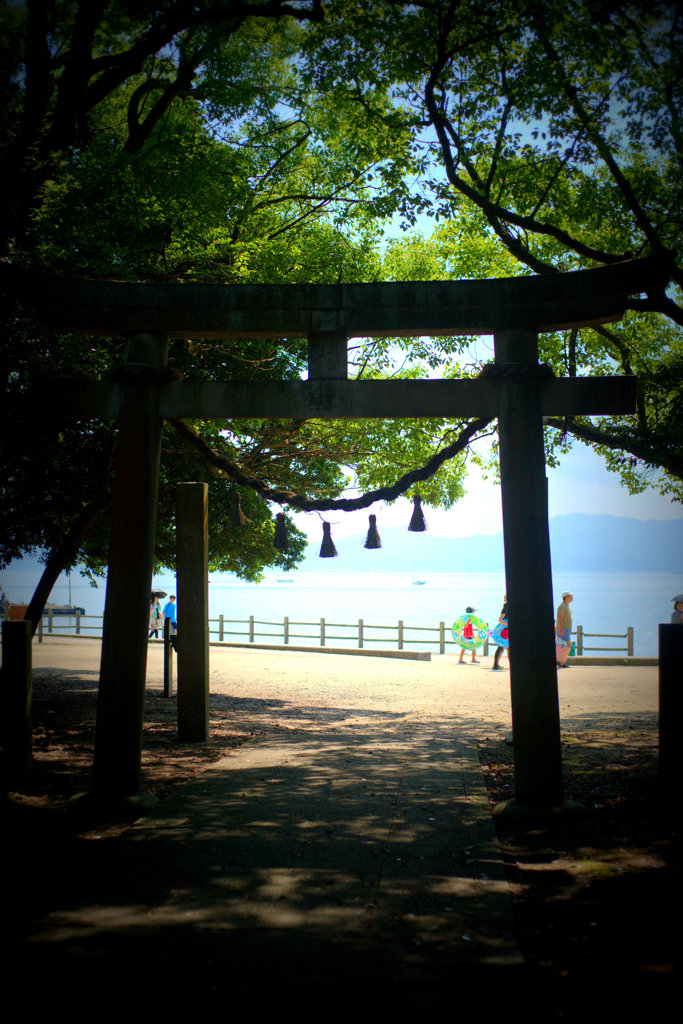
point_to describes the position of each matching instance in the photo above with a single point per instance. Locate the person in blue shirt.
(170, 612)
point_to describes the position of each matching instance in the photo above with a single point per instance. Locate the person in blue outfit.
(170, 613)
(503, 619)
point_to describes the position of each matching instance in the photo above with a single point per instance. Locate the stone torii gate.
(518, 391)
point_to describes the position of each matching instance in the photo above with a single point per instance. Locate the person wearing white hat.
(563, 630)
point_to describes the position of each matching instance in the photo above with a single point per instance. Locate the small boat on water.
(419, 583)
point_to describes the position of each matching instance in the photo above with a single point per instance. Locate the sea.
(604, 603)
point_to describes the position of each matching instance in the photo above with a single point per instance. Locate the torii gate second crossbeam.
(518, 392)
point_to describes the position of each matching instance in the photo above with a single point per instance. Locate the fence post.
(629, 641)
(49, 620)
(251, 629)
(360, 633)
(220, 627)
(322, 632)
(40, 629)
(442, 638)
(285, 629)
(168, 659)
(579, 640)
(78, 622)
(486, 647)
(400, 634)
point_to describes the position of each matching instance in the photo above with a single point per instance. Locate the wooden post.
(400, 634)
(360, 634)
(78, 623)
(168, 659)
(322, 632)
(629, 641)
(533, 673)
(16, 701)
(442, 638)
(118, 734)
(327, 355)
(285, 629)
(221, 627)
(49, 620)
(579, 640)
(192, 569)
(251, 629)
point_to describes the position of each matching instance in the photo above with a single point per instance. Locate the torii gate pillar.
(524, 489)
(123, 665)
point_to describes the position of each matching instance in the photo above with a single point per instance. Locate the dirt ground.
(588, 891)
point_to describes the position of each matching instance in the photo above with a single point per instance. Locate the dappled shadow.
(345, 846)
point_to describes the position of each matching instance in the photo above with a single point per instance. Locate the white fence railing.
(359, 634)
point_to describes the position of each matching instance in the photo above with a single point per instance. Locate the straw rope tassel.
(327, 548)
(417, 520)
(281, 540)
(373, 540)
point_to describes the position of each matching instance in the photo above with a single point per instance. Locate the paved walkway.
(350, 856)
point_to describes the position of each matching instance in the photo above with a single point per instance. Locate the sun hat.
(566, 593)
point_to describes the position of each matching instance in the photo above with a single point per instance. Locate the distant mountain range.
(578, 543)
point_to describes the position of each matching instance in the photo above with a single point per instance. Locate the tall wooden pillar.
(16, 702)
(193, 612)
(120, 706)
(533, 672)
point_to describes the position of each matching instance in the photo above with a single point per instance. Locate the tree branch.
(654, 454)
(225, 468)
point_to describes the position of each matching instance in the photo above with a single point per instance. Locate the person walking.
(468, 636)
(563, 630)
(170, 612)
(501, 632)
(155, 619)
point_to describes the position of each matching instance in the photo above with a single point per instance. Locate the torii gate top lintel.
(411, 308)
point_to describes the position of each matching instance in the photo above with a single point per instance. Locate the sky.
(580, 484)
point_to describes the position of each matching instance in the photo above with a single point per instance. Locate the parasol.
(158, 593)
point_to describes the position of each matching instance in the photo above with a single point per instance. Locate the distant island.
(578, 542)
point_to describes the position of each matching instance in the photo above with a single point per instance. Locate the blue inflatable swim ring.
(500, 641)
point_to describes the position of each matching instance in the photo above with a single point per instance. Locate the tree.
(551, 135)
(272, 142)
(235, 172)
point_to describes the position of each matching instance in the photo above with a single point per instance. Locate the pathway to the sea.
(350, 856)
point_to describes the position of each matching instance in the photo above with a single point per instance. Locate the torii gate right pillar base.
(510, 810)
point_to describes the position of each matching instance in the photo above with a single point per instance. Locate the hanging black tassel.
(372, 540)
(280, 540)
(238, 516)
(417, 520)
(327, 548)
